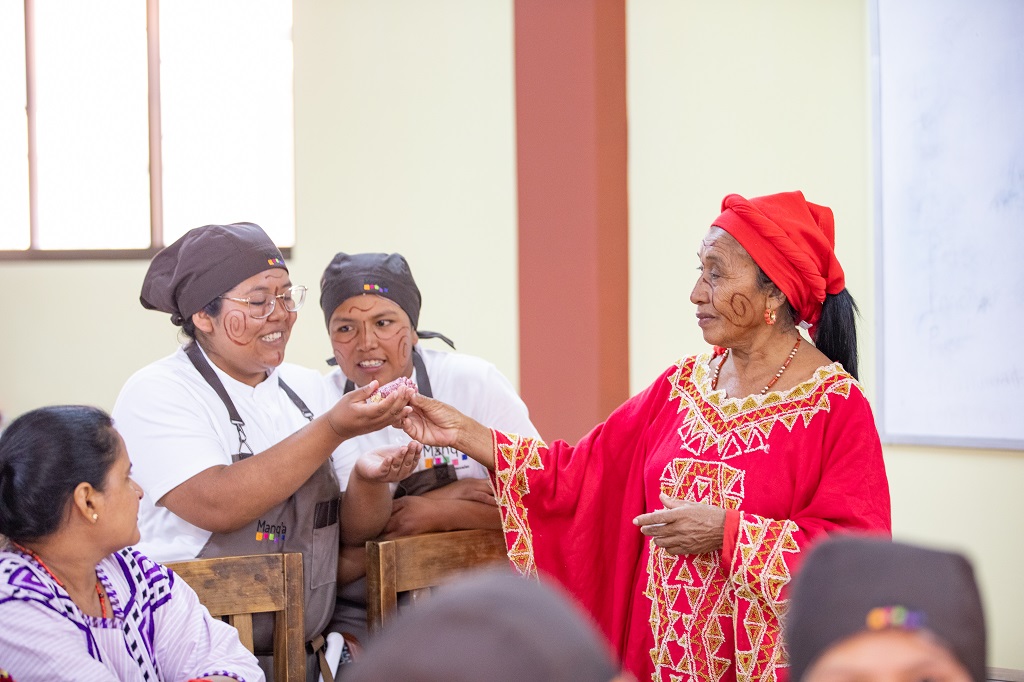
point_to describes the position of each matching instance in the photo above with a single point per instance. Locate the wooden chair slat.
(419, 562)
(238, 587)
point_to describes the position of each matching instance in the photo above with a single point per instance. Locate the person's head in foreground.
(64, 471)
(228, 288)
(492, 625)
(871, 610)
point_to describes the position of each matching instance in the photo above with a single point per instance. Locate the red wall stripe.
(573, 211)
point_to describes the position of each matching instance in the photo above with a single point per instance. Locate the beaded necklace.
(725, 356)
(39, 560)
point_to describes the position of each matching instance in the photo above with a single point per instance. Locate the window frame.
(156, 227)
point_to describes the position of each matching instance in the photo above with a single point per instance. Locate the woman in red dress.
(680, 521)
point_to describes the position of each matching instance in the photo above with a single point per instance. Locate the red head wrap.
(793, 241)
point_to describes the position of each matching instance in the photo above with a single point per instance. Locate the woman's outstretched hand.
(388, 464)
(684, 527)
(432, 422)
(352, 416)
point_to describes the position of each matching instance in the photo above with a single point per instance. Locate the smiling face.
(243, 347)
(730, 303)
(372, 339)
(120, 507)
(888, 656)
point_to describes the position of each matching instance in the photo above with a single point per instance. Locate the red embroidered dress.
(789, 465)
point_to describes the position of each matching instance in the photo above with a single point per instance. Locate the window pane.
(14, 225)
(92, 139)
(226, 112)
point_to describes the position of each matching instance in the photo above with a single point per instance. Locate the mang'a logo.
(268, 533)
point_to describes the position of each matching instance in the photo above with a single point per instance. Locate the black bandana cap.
(848, 585)
(379, 274)
(508, 628)
(204, 263)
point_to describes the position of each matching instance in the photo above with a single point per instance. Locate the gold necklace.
(725, 356)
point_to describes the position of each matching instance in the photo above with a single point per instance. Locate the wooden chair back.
(235, 588)
(416, 563)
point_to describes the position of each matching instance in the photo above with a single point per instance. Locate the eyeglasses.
(262, 308)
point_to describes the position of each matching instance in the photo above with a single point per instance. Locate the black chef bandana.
(507, 628)
(850, 585)
(204, 263)
(379, 274)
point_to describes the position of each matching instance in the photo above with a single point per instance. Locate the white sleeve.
(498, 406)
(190, 643)
(170, 432)
(45, 646)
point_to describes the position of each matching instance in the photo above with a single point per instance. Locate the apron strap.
(195, 355)
(296, 400)
(319, 646)
(422, 380)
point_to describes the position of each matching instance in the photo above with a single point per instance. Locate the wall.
(755, 98)
(404, 142)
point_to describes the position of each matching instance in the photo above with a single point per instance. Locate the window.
(124, 124)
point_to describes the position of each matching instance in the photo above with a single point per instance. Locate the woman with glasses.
(231, 445)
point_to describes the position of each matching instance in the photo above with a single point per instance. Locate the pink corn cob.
(389, 388)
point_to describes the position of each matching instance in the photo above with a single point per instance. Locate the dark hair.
(212, 309)
(835, 335)
(44, 455)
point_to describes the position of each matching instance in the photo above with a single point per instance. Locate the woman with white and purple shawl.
(78, 603)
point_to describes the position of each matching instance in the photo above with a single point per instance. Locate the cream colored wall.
(405, 142)
(755, 98)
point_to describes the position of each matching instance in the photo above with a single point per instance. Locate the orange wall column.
(573, 212)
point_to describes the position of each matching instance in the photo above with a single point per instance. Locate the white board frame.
(890, 432)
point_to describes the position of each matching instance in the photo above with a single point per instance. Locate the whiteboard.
(949, 173)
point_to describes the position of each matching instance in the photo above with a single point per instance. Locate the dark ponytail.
(835, 335)
(44, 455)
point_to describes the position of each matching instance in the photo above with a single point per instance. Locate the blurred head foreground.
(873, 610)
(491, 626)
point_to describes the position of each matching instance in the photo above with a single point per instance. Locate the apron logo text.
(267, 532)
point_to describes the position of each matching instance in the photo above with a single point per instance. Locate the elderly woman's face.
(730, 304)
(887, 656)
(242, 346)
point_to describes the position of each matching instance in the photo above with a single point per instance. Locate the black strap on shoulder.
(296, 400)
(422, 380)
(203, 367)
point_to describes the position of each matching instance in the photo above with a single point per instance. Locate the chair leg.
(381, 585)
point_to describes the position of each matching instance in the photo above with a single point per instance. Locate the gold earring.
(769, 316)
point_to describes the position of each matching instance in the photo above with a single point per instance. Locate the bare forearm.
(365, 509)
(475, 440)
(469, 515)
(225, 498)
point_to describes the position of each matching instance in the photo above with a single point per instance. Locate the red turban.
(793, 241)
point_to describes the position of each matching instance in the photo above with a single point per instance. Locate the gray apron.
(307, 522)
(350, 612)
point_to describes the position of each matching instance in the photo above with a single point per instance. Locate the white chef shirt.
(471, 385)
(175, 426)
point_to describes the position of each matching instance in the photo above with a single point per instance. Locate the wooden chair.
(235, 588)
(416, 563)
